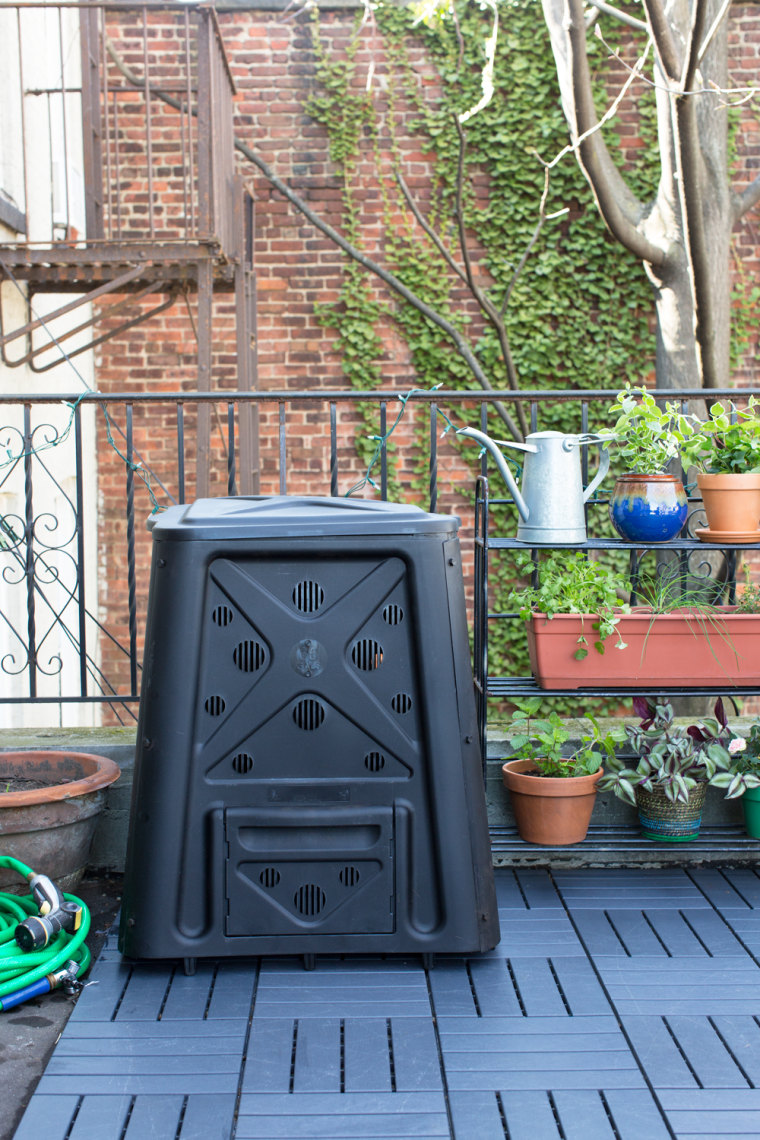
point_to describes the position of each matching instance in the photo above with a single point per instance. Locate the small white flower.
(738, 744)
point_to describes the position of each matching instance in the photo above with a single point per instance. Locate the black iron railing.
(80, 474)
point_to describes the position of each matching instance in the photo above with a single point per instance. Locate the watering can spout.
(502, 465)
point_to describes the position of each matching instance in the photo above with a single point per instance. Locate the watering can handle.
(604, 463)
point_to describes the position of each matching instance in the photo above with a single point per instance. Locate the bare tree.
(683, 236)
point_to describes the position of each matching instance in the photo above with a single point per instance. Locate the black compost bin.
(308, 775)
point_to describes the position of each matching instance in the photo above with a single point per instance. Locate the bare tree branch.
(692, 180)
(623, 17)
(664, 40)
(619, 208)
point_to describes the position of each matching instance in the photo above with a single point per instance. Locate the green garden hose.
(41, 938)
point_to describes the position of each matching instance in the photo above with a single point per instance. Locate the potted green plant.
(648, 504)
(743, 777)
(677, 637)
(726, 450)
(675, 765)
(553, 787)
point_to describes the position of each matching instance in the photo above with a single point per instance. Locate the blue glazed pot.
(648, 508)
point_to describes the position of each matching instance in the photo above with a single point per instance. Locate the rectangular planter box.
(674, 649)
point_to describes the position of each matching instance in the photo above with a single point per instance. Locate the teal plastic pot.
(751, 805)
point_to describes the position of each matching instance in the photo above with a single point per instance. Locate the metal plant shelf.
(505, 688)
(624, 846)
(617, 544)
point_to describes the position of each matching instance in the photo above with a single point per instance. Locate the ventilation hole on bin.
(309, 899)
(349, 876)
(367, 655)
(222, 615)
(374, 761)
(249, 656)
(269, 877)
(309, 714)
(401, 703)
(308, 597)
(242, 763)
(215, 705)
(393, 614)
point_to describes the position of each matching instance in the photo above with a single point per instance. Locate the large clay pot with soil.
(49, 807)
(732, 506)
(551, 810)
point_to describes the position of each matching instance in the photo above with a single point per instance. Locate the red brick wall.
(273, 63)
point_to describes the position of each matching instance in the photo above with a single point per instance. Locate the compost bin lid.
(294, 516)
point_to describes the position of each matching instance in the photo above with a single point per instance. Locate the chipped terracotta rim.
(100, 772)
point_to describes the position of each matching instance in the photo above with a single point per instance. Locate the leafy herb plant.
(728, 442)
(543, 739)
(572, 583)
(647, 436)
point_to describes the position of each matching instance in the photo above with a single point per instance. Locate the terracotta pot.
(679, 648)
(731, 502)
(648, 508)
(552, 811)
(50, 828)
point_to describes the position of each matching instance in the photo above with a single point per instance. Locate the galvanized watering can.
(551, 498)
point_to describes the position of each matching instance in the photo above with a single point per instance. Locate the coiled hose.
(61, 959)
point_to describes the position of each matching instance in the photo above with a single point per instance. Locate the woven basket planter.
(670, 822)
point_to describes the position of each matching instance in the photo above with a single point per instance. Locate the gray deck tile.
(367, 1065)
(580, 986)
(233, 990)
(101, 997)
(658, 1052)
(346, 989)
(524, 1042)
(708, 1113)
(746, 927)
(452, 991)
(270, 1055)
(48, 1116)
(663, 986)
(342, 1116)
(529, 1116)
(508, 893)
(129, 1084)
(145, 993)
(415, 1055)
(493, 988)
(188, 996)
(628, 889)
(535, 1053)
(316, 1065)
(475, 1116)
(728, 890)
(741, 1034)
(583, 1115)
(636, 1115)
(538, 889)
(525, 934)
(707, 1054)
(536, 985)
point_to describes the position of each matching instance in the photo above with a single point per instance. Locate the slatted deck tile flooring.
(619, 1005)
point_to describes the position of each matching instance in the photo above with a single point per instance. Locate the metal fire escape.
(126, 113)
